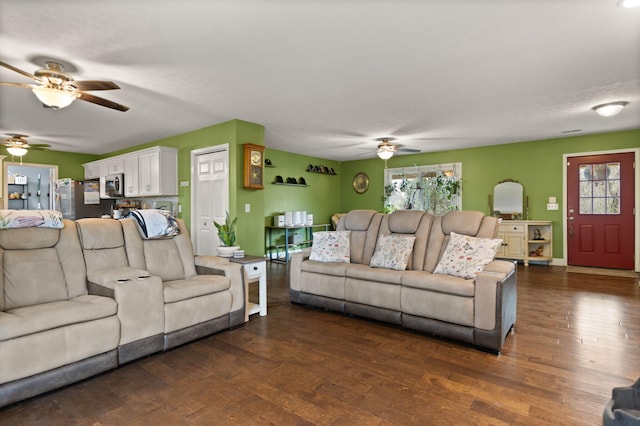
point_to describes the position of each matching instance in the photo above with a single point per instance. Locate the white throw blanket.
(155, 223)
(30, 219)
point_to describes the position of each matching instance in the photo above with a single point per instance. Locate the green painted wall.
(321, 198)
(537, 165)
(69, 164)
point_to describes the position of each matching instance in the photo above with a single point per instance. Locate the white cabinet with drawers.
(526, 240)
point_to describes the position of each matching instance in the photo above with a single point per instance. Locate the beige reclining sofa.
(478, 310)
(86, 298)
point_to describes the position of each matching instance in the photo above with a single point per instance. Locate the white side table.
(255, 270)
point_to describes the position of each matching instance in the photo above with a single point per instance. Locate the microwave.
(114, 186)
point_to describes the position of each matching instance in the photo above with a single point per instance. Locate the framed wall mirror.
(508, 198)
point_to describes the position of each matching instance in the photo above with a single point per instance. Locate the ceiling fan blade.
(408, 150)
(39, 145)
(91, 85)
(19, 71)
(102, 101)
(28, 86)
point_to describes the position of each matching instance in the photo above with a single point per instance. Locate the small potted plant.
(227, 236)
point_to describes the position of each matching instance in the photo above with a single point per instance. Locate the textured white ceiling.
(326, 78)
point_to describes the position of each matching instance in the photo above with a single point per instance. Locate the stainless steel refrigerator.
(76, 199)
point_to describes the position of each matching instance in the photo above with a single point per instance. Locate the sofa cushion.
(392, 251)
(163, 259)
(462, 222)
(438, 282)
(46, 316)
(331, 246)
(465, 256)
(175, 291)
(325, 268)
(367, 273)
(358, 220)
(28, 238)
(405, 221)
(96, 234)
(25, 284)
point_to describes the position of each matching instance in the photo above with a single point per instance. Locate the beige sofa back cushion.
(472, 223)
(415, 223)
(33, 275)
(170, 258)
(364, 226)
(102, 242)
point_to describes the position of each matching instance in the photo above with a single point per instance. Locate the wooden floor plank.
(575, 339)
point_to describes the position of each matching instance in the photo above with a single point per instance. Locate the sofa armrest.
(209, 265)
(140, 305)
(295, 262)
(489, 284)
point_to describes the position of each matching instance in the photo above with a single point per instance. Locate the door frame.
(194, 178)
(53, 175)
(636, 202)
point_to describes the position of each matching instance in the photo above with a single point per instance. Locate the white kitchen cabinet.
(115, 165)
(526, 240)
(157, 172)
(92, 170)
(131, 186)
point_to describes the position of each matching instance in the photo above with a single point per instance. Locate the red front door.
(600, 199)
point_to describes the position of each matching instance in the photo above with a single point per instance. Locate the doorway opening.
(30, 186)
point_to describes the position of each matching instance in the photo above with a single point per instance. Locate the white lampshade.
(629, 3)
(386, 151)
(610, 109)
(53, 98)
(16, 151)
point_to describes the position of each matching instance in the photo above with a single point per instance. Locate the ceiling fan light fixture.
(629, 3)
(53, 98)
(385, 151)
(16, 151)
(609, 109)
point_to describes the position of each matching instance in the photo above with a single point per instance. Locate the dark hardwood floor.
(577, 337)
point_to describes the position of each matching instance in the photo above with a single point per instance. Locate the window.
(600, 188)
(435, 189)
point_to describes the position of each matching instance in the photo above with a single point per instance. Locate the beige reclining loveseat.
(479, 311)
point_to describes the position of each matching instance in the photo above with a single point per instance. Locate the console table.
(308, 239)
(255, 270)
(526, 240)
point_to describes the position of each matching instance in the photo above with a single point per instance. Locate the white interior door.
(210, 197)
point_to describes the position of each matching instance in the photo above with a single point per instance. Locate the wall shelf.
(289, 184)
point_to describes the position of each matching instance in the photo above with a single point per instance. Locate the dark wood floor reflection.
(576, 338)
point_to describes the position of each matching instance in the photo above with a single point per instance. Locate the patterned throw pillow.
(331, 246)
(392, 252)
(465, 256)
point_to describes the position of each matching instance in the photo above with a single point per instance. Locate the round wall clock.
(361, 183)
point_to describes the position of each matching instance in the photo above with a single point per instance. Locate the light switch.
(247, 208)
(184, 183)
(552, 206)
